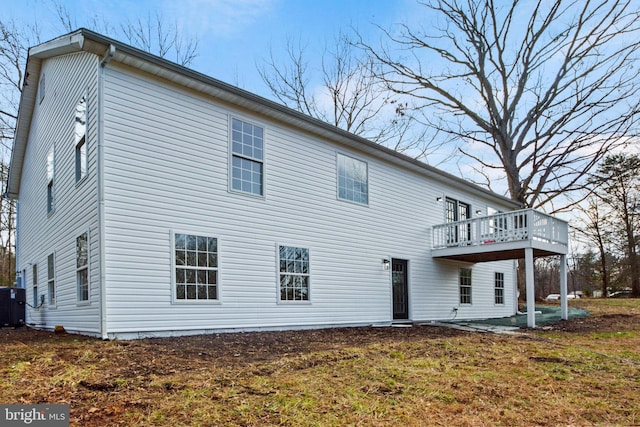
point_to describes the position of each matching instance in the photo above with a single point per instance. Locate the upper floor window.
(80, 138)
(82, 267)
(457, 211)
(353, 181)
(196, 267)
(50, 177)
(294, 273)
(41, 88)
(247, 158)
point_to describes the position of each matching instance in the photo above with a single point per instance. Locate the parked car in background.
(556, 297)
(621, 294)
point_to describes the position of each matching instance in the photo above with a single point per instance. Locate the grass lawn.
(580, 372)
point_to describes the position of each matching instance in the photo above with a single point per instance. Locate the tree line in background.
(530, 95)
(609, 227)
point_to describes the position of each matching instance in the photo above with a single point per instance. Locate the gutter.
(92, 42)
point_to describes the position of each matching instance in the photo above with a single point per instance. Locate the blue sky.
(234, 35)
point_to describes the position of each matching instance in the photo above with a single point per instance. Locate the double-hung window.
(51, 278)
(41, 89)
(499, 288)
(294, 273)
(196, 267)
(353, 180)
(80, 138)
(82, 267)
(247, 157)
(35, 285)
(465, 286)
(50, 177)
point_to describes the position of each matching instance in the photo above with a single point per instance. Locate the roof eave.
(90, 41)
(69, 43)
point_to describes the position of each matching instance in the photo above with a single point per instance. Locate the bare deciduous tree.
(598, 230)
(536, 91)
(617, 182)
(152, 34)
(13, 54)
(348, 96)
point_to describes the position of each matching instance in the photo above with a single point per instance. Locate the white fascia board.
(68, 43)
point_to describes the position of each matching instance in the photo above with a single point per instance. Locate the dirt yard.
(142, 382)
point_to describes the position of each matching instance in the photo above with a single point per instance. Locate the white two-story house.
(154, 201)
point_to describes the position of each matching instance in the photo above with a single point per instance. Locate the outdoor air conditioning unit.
(12, 306)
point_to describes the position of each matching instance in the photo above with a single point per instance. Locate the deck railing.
(526, 224)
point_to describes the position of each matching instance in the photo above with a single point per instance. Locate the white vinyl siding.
(162, 183)
(69, 78)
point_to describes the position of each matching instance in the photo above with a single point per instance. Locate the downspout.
(18, 259)
(100, 191)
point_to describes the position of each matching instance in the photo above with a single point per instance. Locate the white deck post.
(531, 294)
(564, 304)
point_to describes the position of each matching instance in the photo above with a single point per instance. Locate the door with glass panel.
(400, 284)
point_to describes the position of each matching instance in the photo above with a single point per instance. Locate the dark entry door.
(399, 280)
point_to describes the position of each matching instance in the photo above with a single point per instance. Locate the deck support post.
(529, 282)
(564, 304)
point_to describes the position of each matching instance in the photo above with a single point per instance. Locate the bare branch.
(548, 99)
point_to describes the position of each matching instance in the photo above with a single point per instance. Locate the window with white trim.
(82, 267)
(294, 273)
(41, 88)
(196, 267)
(80, 138)
(499, 287)
(51, 280)
(50, 177)
(456, 210)
(247, 157)
(35, 285)
(465, 286)
(353, 180)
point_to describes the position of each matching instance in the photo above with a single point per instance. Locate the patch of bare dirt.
(600, 323)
